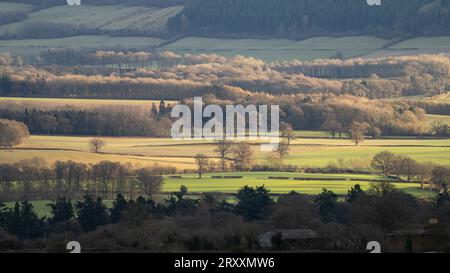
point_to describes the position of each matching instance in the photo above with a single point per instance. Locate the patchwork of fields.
(110, 18)
(311, 152)
(148, 22)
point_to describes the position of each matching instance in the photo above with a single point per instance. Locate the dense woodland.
(300, 18)
(336, 93)
(127, 75)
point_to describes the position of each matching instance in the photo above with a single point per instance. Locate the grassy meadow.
(280, 49)
(56, 103)
(314, 184)
(9, 7)
(30, 47)
(437, 42)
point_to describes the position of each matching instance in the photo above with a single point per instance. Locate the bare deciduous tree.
(282, 149)
(242, 154)
(357, 132)
(149, 183)
(96, 144)
(223, 148)
(384, 162)
(202, 164)
(288, 133)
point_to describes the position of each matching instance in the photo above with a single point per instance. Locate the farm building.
(73, 2)
(298, 239)
(374, 2)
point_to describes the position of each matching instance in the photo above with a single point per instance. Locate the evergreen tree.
(354, 193)
(62, 210)
(253, 204)
(14, 221)
(442, 198)
(119, 206)
(91, 213)
(32, 225)
(327, 201)
(5, 213)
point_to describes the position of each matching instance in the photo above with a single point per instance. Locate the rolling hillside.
(63, 21)
(12, 12)
(27, 30)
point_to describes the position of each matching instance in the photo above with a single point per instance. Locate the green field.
(437, 42)
(280, 186)
(29, 47)
(8, 7)
(280, 49)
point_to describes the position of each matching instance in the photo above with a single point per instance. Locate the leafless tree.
(202, 164)
(96, 144)
(223, 148)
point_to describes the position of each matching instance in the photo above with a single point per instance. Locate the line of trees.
(335, 114)
(32, 179)
(104, 121)
(391, 165)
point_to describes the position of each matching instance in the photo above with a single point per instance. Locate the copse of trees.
(403, 167)
(12, 133)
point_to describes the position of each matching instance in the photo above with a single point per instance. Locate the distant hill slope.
(12, 12)
(63, 21)
(152, 3)
(302, 18)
